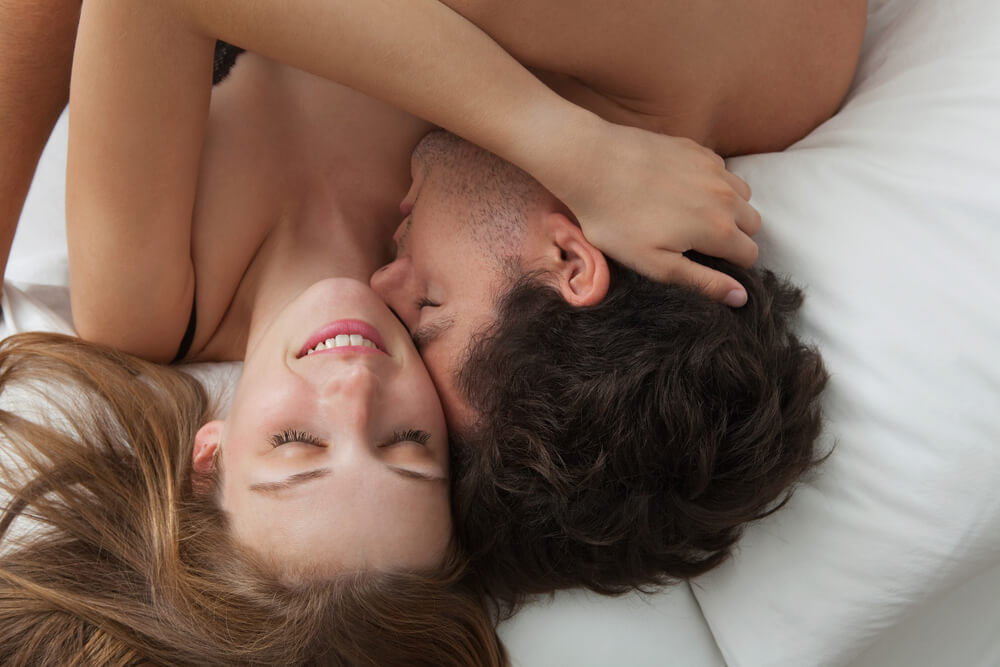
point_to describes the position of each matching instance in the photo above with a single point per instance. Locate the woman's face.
(336, 458)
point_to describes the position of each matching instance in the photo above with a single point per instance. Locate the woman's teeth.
(343, 340)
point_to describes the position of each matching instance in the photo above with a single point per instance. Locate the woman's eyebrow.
(290, 481)
(308, 475)
(414, 474)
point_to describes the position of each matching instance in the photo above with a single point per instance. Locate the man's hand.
(646, 198)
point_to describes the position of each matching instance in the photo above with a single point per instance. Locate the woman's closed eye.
(424, 302)
(288, 435)
(294, 435)
(409, 435)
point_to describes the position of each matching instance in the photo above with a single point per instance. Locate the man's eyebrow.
(413, 474)
(290, 481)
(428, 332)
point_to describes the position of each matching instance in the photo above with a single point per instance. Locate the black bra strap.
(188, 335)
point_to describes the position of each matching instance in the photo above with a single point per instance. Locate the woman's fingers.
(725, 233)
(733, 246)
(716, 285)
(748, 218)
(738, 185)
(661, 196)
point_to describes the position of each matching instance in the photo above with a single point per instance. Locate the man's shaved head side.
(497, 196)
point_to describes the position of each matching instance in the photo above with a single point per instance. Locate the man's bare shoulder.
(683, 68)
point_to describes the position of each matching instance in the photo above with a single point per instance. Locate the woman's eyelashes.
(288, 435)
(294, 435)
(409, 435)
(424, 302)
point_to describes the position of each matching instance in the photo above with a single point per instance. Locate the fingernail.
(736, 298)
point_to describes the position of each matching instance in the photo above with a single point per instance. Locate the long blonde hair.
(123, 564)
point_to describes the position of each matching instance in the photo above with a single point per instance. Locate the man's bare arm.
(36, 55)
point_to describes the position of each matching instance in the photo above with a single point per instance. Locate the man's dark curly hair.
(630, 442)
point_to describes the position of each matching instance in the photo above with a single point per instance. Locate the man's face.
(446, 277)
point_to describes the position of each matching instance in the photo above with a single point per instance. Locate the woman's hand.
(644, 199)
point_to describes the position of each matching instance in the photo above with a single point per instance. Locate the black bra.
(188, 335)
(225, 58)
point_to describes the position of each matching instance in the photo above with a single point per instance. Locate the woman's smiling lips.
(353, 336)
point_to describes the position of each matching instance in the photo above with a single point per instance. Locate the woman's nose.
(351, 394)
(351, 381)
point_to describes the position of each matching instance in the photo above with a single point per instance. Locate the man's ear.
(206, 448)
(579, 269)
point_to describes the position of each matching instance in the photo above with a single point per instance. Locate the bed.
(889, 216)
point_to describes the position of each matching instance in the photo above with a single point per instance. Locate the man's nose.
(391, 284)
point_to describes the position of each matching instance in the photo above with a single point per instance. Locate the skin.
(367, 440)
(637, 66)
(446, 276)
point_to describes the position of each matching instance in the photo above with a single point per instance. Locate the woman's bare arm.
(140, 98)
(421, 56)
(36, 54)
(138, 109)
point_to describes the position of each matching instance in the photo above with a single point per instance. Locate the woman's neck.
(311, 248)
(328, 211)
(317, 239)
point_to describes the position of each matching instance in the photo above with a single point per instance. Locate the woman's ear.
(579, 269)
(206, 447)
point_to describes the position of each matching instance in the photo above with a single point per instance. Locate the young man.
(609, 431)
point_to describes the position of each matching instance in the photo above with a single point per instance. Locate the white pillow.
(889, 215)
(583, 629)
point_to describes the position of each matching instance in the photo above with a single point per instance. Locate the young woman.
(120, 546)
(196, 220)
